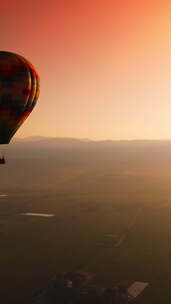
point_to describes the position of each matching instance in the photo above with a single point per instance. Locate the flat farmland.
(111, 217)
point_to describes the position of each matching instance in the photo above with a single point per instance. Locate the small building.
(137, 288)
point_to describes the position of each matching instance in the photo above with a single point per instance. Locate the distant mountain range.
(44, 138)
(68, 142)
(42, 162)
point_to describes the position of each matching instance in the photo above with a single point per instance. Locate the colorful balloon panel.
(19, 91)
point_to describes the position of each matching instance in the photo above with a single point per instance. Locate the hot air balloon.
(19, 91)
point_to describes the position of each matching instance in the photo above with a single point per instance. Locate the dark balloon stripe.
(19, 90)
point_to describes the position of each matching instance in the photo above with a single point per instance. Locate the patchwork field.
(111, 216)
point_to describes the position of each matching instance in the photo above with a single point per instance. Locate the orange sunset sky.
(105, 66)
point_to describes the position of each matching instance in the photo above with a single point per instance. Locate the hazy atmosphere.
(105, 66)
(85, 183)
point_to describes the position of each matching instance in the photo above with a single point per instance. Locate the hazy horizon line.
(88, 139)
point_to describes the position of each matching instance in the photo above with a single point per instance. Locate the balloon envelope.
(19, 91)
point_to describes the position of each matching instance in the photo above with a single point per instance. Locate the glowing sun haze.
(105, 66)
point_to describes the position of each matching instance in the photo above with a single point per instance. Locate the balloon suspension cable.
(3, 149)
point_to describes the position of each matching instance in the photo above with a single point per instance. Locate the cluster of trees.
(77, 288)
